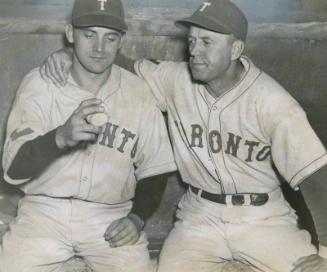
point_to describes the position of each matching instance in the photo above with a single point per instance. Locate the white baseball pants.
(47, 232)
(207, 234)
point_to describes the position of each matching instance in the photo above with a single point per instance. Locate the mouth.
(97, 58)
(198, 65)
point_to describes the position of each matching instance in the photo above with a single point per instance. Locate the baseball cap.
(106, 13)
(221, 16)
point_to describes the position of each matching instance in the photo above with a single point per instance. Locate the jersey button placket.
(219, 161)
(85, 182)
(213, 115)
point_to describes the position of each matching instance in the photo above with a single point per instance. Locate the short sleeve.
(27, 119)
(296, 149)
(154, 153)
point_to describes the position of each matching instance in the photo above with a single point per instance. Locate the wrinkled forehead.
(100, 30)
(199, 32)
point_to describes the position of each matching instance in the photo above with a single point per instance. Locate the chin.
(96, 69)
(198, 76)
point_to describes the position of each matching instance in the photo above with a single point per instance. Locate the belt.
(254, 199)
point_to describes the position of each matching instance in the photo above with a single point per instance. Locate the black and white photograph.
(163, 136)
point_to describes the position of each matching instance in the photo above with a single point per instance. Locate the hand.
(76, 128)
(312, 263)
(56, 67)
(122, 232)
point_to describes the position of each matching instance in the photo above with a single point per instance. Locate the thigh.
(273, 245)
(102, 258)
(31, 245)
(196, 247)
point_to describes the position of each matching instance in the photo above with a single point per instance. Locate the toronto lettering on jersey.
(113, 132)
(253, 149)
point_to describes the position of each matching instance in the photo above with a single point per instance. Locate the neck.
(88, 80)
(221, 85)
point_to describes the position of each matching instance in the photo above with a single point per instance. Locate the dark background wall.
(287, 39)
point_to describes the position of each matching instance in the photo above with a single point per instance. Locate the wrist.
(59, 139)
(136, 220)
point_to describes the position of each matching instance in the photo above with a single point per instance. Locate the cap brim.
(100, 20)
(203, 22)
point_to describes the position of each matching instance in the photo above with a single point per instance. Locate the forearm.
(34, 156)
(148, 196)
(314, 190)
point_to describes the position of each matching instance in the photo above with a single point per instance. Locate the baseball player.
(232, 127)
(78, 152)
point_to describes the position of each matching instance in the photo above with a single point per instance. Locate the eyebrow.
(91, 30)
(201, 37)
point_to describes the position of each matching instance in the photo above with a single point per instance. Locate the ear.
(69, 30)
(237, 49)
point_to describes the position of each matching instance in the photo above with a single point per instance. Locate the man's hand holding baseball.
(123, 232)
(76, 128)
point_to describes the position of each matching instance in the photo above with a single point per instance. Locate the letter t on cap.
(205, 5)
(102, 4)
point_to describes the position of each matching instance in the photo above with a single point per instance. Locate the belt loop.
(229, 202)
(247, 199)
(198, 195)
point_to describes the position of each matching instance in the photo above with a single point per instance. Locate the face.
(210, 54)
(95, 48)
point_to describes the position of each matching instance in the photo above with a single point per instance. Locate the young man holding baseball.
(232, 126)
(78, 151)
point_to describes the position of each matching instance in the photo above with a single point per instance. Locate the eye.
(112, 38)
(191, 41)
(88, 34)
(206, 42)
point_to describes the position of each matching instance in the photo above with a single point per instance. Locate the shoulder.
(274, 94)
(129, 79)
(268, 92)
(134, 88)
(273, 103)
(32, 85)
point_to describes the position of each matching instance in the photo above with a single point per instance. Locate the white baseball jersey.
(133, 145)
(229, 144)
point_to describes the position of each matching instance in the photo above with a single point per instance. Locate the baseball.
(97, 119)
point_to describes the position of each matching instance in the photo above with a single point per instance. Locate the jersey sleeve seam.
(171, 166)
(303, 168)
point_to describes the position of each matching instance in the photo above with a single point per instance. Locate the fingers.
(87, 107)
(43, 73)
(55, 69)
(121, 233)
(47, 73)
(124, 240)
(65, 67)
(86, 137)
(91, 129)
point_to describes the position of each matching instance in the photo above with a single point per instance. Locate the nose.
(194, 48)
(99, 45)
